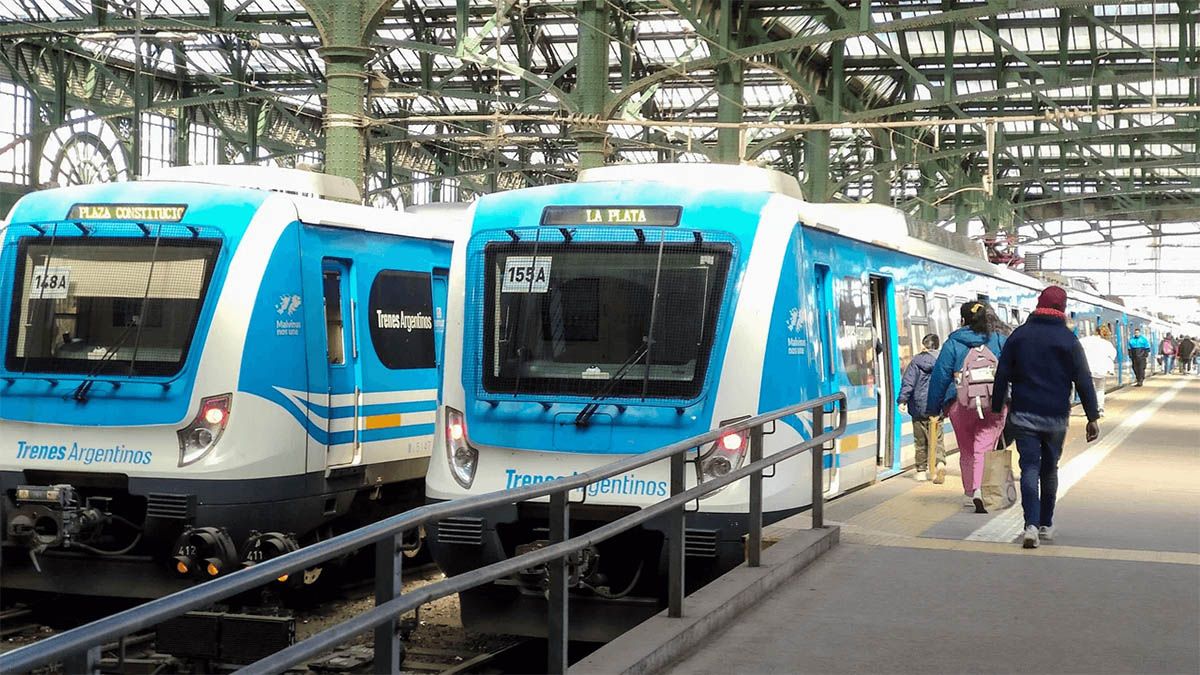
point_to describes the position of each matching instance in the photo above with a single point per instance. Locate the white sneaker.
(977, 501)
(922, 476)
(1030, 538)
(1046, 533)
(968, 501)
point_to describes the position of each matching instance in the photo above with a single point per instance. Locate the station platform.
(920, 584)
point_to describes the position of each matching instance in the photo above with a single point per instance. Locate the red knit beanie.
(1054, 297)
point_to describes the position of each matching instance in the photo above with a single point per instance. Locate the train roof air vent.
(698, 175)
(273, 179)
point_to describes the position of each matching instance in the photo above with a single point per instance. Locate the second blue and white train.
(647, 304)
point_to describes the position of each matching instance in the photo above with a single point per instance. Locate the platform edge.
(660, 641)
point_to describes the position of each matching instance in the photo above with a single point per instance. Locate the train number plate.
(522, 274)
(49, 282)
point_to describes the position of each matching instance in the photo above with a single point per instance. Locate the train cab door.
(823, 288)
(440, 284)
(885, 364)
(344, 394)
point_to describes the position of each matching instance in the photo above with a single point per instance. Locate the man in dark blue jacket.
(914, 393)
(1042, 360)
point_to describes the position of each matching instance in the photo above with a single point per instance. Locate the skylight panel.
(861, 45)
(925, 43)
(262, 6)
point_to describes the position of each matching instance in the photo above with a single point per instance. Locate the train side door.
(344, 394)
(440, 282)
(823, 288)
(885, 362)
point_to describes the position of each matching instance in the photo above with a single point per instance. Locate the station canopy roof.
(497, 90)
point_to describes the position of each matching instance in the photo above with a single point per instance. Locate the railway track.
(16, 621)
(430, 647)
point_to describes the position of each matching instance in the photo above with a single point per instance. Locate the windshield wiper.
(581, 420)
(81, 391)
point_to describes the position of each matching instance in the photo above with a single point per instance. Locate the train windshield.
(584, 318)
(107, 306)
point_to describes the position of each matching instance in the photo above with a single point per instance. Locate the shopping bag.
(999, 485)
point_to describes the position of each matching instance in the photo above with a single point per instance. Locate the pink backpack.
(974, 387)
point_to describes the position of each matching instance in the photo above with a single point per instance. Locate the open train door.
(345, 376)
(824, 293)
(885, 367)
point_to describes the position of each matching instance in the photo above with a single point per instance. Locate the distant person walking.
(1041, 361)
(1186, 350)
(1102, 362)
(961, 387)
(1139, 351)
(914, 394)
(1167, 350)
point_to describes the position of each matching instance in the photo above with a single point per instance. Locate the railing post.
(557, 626)
(388, 558)
(818, 469)
(675, 541)
(82, 662)
(754, 544)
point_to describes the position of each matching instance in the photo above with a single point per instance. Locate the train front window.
(107, 306)
(574, 317)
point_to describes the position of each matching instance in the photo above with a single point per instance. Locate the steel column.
(729, 88)
(592, 84)
(345, 143)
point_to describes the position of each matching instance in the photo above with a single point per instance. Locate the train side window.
(941, 316)
(856, 330)
(335, 347)
(918, 321)
(400, 319)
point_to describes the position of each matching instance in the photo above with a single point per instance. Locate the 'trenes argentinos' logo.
(403, 320)
(118, 454)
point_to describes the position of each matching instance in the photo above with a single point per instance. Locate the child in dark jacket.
(914, 394)
(1042, 360)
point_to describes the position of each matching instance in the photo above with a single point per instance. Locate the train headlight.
(202, 434)
(463, 459)
(723, 456)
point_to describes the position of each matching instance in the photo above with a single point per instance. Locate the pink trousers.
(975, 438)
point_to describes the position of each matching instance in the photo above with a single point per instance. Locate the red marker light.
(731, 442)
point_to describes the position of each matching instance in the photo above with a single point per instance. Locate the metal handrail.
(81, 645)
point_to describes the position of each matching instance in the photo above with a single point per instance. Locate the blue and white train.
(646, 304)
(200, 375)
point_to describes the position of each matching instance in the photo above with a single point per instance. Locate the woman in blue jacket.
(976, 428)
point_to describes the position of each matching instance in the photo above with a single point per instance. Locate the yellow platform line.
(857, 535)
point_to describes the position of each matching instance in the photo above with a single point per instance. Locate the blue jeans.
(1039, 452)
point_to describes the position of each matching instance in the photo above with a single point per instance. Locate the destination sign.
(632, 216)
(165, 213)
